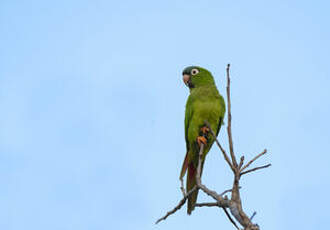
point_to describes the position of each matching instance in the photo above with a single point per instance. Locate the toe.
(201, 140)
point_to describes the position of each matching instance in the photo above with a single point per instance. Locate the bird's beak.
(186, 79)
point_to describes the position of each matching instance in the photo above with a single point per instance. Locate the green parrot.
(204, 104)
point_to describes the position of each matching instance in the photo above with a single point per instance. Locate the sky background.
(92, 108)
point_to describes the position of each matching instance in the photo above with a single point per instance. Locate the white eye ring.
(194, 71)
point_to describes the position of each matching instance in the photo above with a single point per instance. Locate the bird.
(204, 103)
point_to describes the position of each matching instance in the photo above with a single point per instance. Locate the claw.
(200, 140)
(205, 130)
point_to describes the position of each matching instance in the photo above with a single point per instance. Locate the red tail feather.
(191, 182)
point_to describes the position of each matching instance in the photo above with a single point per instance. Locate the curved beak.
(186, 79)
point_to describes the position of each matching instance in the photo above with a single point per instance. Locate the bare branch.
(255, 158)
(228, 190)
(221, 202)
(215, 195)
(182, 188)
(256, 168)
(253, 215)
(236, 203)
(209, 192)
(209, 204)
(231, 219)
(241, 162)
(176, 208)
(199, 167)
(230, 139)
(215, 204)
(220, 147)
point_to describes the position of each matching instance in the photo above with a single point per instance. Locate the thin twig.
(241, 162)
(220, 147)
(255, 158)
(199, 167)
(253, 215)
(176, 208)
(209, 204)
(209, 192)
(231, 219)
(230, 139)
(256, 168)
(182, 188)
(236, 203)
(228, 190)
(215, 204)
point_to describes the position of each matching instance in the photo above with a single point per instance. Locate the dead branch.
(226, 191)
(231, 219)
(223, 203)
(255, 169)
(213, 194)
(253, 215)
(241, 162)
(255, 158)
(176, 208)
(182, 188)
(214, 204)
(209, 204)
(220, 147)
(230, 138)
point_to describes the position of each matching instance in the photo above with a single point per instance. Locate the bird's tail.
(191, 182)
(184, 166)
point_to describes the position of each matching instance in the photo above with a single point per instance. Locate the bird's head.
(195, 76)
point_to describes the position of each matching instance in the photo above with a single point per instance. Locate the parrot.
(204, 103)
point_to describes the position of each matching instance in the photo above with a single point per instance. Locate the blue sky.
(92, 105)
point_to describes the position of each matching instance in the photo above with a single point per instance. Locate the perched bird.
(204, 104)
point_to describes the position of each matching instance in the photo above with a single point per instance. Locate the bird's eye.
(194, 71)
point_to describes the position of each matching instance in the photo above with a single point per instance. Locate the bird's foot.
(205, 130)
(200, 140)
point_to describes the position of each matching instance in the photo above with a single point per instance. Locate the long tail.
(184, 166)
(191, 182)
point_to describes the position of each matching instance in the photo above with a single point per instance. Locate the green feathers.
(199, 76)
(204, 104)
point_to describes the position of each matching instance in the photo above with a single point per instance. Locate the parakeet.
(204, 104)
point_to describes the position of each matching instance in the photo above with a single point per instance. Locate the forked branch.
(176, 208)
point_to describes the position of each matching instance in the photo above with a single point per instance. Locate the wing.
(219, 125)
(223, 110)
(187, 119)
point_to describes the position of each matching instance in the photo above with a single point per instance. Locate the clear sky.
(92, 109)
